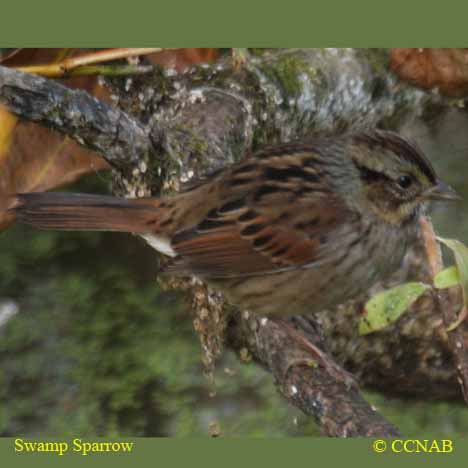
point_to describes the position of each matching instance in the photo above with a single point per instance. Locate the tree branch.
(121, 139)
(318, 387)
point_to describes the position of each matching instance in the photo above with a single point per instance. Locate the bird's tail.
(85, 212)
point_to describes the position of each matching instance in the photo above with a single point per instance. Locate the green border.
(240, 23)
(239, 453)
(243, 24)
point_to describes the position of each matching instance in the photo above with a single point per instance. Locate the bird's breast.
(368, 256)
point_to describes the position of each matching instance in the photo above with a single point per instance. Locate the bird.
(293, 228)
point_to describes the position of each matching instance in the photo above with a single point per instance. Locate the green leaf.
(447, 278)
(385, 307)
(460, 252)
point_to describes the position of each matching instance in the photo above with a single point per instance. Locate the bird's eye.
(405, 181)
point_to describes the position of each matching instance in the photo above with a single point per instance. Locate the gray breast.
(354, 267)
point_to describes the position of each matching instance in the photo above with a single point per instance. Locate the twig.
(444, 303)
(111, 70)
(68, 65)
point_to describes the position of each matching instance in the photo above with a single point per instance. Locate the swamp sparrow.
(292, 229)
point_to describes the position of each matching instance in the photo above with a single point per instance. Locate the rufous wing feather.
(251, 240)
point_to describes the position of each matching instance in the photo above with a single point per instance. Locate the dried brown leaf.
(33, 158)
(6, 54)
(444, 69)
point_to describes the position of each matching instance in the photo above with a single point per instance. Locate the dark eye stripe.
(371, 176)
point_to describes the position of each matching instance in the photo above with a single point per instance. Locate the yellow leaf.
(447, 278)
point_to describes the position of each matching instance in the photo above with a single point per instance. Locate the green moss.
(286, 72)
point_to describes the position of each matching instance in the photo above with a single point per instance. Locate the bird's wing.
(286, 221)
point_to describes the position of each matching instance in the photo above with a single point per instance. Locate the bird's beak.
(441, 191)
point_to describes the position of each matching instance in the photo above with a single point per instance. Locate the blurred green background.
(89, 345)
